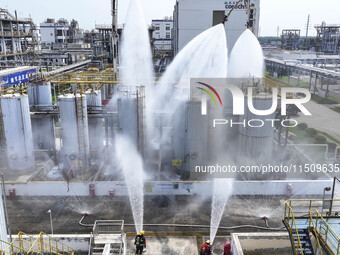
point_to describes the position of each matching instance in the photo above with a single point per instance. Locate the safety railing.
(108, 227)
(309, 210)
(325, 233)
(317, 249)
(11, 249)
(290, 222)
(302, 207)
(42, 244)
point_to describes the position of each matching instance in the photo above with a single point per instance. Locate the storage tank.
(75, 135)
(127, 117)
(94, 103)
(256, 143)
(18, 131)
(3, 230)
(40, 96)
(43, 133)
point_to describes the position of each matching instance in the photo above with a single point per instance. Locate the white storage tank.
(43, 133)
(75, 135)
(94, 103)
(256, 143)
(40, 96)
(127, 117)
(18, 131)
(3, 230)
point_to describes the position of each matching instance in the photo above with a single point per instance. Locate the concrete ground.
(323, 119)
(170, 245)
(30, 215)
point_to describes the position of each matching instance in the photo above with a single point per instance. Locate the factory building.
(328, 38)
(18, 40)
(191, 17)
(162, 36)
(61, 31)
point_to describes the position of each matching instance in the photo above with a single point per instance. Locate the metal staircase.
(24, 244)
(310, 232)
(108, 238)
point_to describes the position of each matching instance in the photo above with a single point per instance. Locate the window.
(167, 36)
(218, 17)
(167, 28)
(157, 28)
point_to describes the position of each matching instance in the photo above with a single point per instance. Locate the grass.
(337, 109)
(294, 82)
(329, 137)
(322, 100)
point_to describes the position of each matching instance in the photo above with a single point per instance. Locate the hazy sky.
(274, 13)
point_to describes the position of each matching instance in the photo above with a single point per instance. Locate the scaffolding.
(290, 39)
(327, 39)
(17, 40)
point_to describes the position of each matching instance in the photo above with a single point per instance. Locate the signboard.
(176, 162)
(17, 78)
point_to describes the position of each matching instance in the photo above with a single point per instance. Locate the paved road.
(323, 119)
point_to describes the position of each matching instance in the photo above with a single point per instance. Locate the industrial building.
(61, 31)
(327, 39)
(290, 39)
(193, 17)
(66, 177)
(162, 37)
(18, 40)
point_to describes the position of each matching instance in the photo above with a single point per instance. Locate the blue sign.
(17, 78)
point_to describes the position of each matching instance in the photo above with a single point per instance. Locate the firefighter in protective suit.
(140, 243)
(206, 248)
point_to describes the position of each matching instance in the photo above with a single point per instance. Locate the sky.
(285, 14)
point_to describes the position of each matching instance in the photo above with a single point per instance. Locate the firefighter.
(140, 243)
(227, 248)
(206, 248)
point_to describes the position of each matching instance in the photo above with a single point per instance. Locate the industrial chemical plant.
(202, 138)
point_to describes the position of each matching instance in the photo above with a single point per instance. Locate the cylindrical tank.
(43, 133)
(40, 96)
(3, 230)
(18, 131)
(94, 103)
(75, 135)
(256, 143)
(127, 117)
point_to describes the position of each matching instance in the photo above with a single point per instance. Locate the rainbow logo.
(209, 93)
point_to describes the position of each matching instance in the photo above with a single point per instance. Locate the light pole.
(331, 206)
(51, 220)
(323, 197)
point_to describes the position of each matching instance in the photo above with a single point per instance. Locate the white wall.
(162, 32)
(300, 188)
(47, 32)
(195, 16)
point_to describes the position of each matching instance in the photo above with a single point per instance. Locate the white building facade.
(191, 17)
(162, 34)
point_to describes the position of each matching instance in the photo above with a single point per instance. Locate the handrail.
(312, 204)
(326, 238)
(311, 222)
(290, 227)
(12, 246)
(27, 244)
